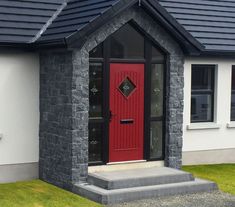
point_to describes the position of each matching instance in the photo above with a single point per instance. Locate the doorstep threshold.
(126, 162)
(125, 166)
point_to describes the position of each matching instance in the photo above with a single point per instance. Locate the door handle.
(111, 115)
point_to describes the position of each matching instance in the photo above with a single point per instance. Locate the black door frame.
(106, 61)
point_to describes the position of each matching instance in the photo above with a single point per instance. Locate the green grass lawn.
(39, 194)
(223, 175)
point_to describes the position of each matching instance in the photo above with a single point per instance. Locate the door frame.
(106, 60)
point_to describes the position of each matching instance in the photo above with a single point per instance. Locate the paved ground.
(215, 199)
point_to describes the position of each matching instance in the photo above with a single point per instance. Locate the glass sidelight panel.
(156, 140)
(157, 79)
(95, 111)
(95, 90)
(95, 142)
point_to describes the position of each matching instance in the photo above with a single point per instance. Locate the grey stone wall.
(174, 111)
(56, 130)
(80, 100)
(64, 100)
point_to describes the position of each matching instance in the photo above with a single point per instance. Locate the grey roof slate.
(76, 15)
(22, 20)
(211, 22)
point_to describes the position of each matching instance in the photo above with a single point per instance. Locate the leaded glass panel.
(157, 79)
(95, 89)
(156, 142)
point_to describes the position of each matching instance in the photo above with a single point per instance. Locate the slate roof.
(75, 16)
(210, 22)
(22, 20)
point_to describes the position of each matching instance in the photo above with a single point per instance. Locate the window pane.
(97, 52)
(233, 108)
(233, 95)
(157, 55)
(95, 90)
(157, 77)
(127, 43)
(201, 108)
(202, 77)
(95, 142)
(233, 78)
(127, 87)
(156, 142)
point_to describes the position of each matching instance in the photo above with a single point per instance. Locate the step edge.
(108, 184)
(106, 179)
(107, 196)
(181, 184)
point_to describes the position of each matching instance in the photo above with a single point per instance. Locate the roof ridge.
(49, 22)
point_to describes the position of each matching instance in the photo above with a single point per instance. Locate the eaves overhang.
(77, 39)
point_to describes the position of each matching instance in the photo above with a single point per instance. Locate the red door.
(127, 112)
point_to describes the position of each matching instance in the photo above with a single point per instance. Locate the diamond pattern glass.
(127, 87)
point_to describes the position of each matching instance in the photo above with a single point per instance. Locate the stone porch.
(110, 187)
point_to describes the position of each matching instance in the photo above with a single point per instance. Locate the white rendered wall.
(19, 107)
(210, 136)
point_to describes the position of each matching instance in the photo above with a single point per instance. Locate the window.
(157, 78)
(95, 142)
(96, 120)
(157, 55)
(156, 107)
(97, 52)
(127, 43)
(233, 95)
(96, 90)
(202, 94)
(127, 87)
(156, 140)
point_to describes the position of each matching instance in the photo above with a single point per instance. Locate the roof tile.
(211, 22)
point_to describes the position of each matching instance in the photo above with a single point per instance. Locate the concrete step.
(138, 177)
(105, 196)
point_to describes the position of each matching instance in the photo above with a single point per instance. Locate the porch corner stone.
(64, 102)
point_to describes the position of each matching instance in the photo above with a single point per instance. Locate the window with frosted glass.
(96, 131)
(157, 78)
(95, 89)
(156, 140)
(156, 105)
(95, 142)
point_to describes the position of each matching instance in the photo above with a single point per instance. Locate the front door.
(126, 131)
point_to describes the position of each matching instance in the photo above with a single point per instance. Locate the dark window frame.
(210, 91)
(232, 92)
